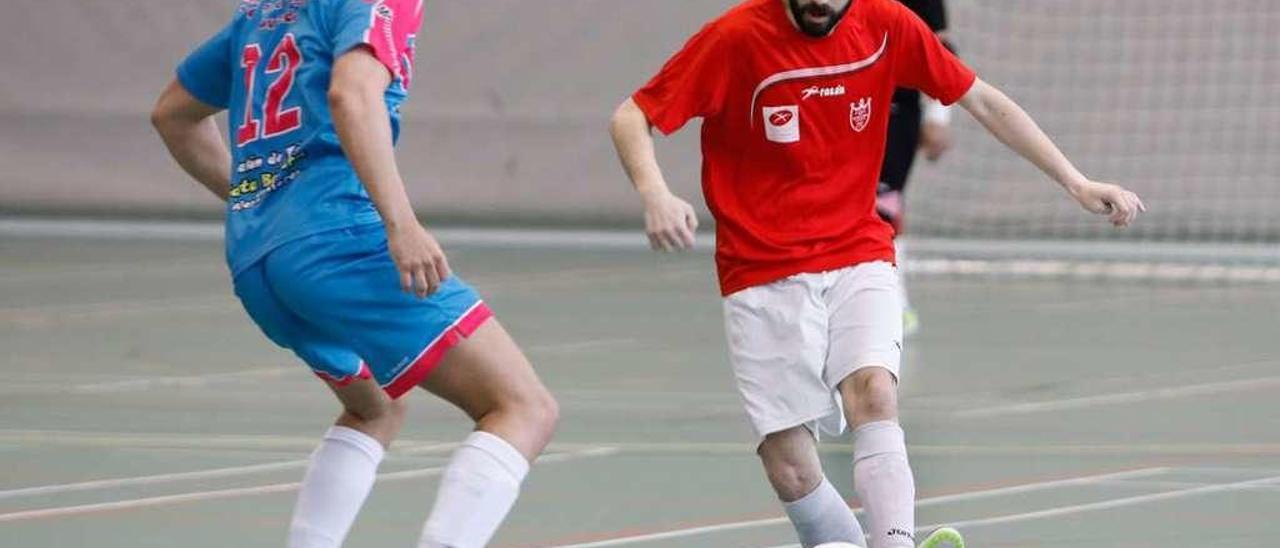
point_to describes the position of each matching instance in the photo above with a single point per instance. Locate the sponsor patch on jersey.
(782, 124)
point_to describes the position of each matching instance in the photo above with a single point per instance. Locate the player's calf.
(881, 472)
(813, 505)
(342, 469)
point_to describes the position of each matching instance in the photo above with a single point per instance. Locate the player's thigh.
(777, 339)
(865, 323)
(488, 372)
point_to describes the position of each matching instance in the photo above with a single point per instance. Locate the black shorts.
(904, 139)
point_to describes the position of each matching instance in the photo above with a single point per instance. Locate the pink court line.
(198, 496)
(1002, 491)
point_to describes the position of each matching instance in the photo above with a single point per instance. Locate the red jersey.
(794, 128)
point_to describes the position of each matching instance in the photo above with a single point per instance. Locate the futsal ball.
(837, 545)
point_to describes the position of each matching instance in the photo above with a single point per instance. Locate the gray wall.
(507, 121)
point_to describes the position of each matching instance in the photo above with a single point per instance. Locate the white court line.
(191, 381)
(1117, 503)
(197, 381)
(1002, 491)
(1093, 260)
(194, 475)
(1095, 506)
(1191, 390)
(194, 496)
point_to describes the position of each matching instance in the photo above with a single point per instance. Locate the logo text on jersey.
(860, 114)
(820, 91)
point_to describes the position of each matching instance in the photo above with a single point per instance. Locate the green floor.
(1132, 414)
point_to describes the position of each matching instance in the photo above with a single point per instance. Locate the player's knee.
(791, 479)
(872, 394)
(544, 410)
(535, 407)
(383, 414)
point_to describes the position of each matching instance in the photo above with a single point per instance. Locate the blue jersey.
(270, 68)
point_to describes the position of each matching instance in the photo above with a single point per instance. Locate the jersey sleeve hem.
(188, 83)
(950, 96)
(650, 109)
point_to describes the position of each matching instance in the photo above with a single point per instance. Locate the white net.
(1174, 98)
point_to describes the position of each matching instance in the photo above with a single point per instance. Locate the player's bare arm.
(360, 116)
(670, 222)
(1010, 124)
(188, 128)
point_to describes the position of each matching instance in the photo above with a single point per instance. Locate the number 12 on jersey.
(285, 60)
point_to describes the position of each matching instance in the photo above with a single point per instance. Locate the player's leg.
(866, 347)
(342, 468)
(448, 343)
(777, 344)
(489, 378)
(816, 510)
(902, 145)
(882, 473)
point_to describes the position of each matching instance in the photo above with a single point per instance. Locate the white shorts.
(792, 342)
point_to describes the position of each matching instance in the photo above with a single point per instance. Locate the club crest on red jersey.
(860, 114)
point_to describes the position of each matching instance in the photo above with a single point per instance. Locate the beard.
(817, 30)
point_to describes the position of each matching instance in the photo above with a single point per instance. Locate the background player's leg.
(343, 467)
(902, 145)
(817, 511)
(489, 378)
(881, 472)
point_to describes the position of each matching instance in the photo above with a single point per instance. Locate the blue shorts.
(334, 299)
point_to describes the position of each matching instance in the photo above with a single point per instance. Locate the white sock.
(479, 487)
(337, 482)
(882, 478)
(822, 516)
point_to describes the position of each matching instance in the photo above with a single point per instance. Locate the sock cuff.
(357, 439)
(499, 450)
(878, 438)
(816, 496)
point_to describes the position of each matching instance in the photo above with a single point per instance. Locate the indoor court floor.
(141, 408)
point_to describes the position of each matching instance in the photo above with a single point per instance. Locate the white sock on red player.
(882, 477)
(823, 516)
(336, 484)
(479, 487)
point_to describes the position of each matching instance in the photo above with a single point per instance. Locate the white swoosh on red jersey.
(814, 72)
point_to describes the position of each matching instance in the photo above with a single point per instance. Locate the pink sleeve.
(388, 28)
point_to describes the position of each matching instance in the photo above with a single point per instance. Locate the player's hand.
(1119, 205)
(669, 221)
(419, 259)
(935, 140)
